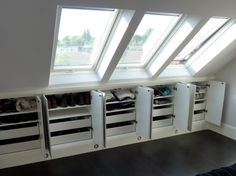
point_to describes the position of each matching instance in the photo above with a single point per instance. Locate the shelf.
(55, 115)
(19, 123)
(200, 92)
(160, 105)
(161, 97)
(115, 102)
(120, 110)
(18, 113)
(69, 107)
(203, 99)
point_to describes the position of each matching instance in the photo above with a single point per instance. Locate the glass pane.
(81, 37)
(149, 35)
(199, 39)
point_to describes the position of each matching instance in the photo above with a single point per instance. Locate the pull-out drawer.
(199, 106)
(19, 132)
(199, 116)
(67, 138)
(60, 126)
(21, 146)
(120, 130)
(163, 111)
(120, 118)
(162, 123)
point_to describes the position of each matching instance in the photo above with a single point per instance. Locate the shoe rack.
(68, 117)
(21, 127)
(163, 106)
(120, 115)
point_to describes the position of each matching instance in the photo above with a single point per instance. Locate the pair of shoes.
(8, 105)
(82, 98)
(70, 99)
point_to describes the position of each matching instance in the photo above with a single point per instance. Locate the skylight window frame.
(190, 63)
(76, 69)
(154, 50)
(200, 45)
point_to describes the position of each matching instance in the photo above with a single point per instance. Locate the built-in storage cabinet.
(69, 117)
(21, 126)
(163, 106)
(120, 112)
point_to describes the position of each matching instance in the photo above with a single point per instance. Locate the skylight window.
(150, 34)
(81, 37)
(208, 30)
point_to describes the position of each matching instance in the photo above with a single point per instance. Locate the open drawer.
(120, 130)
(162, 123)
(110, 118)
(199, 106)
(163, 111)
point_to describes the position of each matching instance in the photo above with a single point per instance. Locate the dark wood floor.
(183, 155)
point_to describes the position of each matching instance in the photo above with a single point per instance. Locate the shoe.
(70, 100)
(86, 96)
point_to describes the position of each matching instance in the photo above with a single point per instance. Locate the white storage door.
(215, 101)
(98, 117)
(183, 106)
(144, 102)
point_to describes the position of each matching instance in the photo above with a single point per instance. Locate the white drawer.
(162, 123)
(20, 132)
(120, 118)
(200, 116)
(163, 111)
(120, 130)
(71, 138)
(70, 125)
(21, 146)
(200, 106)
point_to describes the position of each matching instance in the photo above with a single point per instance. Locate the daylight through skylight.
(81, 37)
(151, 32)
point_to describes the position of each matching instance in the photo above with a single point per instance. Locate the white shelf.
(69, 107)
(202, 99)
(160, 105)
(115, 102)
(55, 115)
(120, 110)
(161, 97)
(19, 123)
(18, 113)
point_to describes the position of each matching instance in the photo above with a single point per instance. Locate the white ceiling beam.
(119, 41)
(156, 67)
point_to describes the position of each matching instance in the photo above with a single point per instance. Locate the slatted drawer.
(120, 118)
(71, 137)
(200, 116)
(120, 130)
(199, 106)
(10, 148)
(60, 126)
(163, 111)
(162, 123)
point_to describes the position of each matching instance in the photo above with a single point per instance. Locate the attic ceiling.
(27, 33)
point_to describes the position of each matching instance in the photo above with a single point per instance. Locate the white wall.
(228, 74)
(27, 28)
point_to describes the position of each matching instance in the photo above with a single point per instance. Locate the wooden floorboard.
(182, 155)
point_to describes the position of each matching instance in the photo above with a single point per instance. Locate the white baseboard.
(224, 129)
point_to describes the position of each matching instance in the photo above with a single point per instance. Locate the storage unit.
(163, 106)
(21, 130)
(68, 117)
(120, 114)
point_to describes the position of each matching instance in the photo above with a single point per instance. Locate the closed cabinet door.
(215, 101)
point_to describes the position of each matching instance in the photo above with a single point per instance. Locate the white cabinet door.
(215, 102)
(98, 117)
(144, 102)
(183, 106)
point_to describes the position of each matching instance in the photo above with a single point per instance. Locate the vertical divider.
(144, 107)
(98, 118)
(45, 117)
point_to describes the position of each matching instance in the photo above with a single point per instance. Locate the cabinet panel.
(183, 106)
(144, 105)
(215, 102)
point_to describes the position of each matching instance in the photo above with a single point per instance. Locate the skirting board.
(224, 129)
